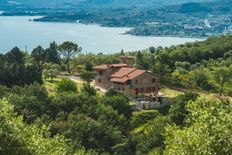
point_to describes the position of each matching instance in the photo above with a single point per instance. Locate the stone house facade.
(132, 81)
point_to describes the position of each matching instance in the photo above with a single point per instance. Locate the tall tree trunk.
(67, 63)
(68, 68)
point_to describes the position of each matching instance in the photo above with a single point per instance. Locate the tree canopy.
(69, 50)
(208, 130)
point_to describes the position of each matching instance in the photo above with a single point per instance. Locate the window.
(148, 90)
(136, 81)
(128, 82)
(99, 80)
(136, 91)
(153, 89)
(153, 80)
(100, 72)
(142, 90)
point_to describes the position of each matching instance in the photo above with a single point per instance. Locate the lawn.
(171, 93)
(51, 86)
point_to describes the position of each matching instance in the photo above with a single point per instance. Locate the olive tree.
(222, 76)
(50, 71)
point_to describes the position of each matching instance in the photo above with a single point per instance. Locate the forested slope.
(41, 113)
(203, 65)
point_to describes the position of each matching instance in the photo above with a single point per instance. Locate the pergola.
(154, 97)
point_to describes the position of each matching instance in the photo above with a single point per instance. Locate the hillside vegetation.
(202, 65)
(41, 113)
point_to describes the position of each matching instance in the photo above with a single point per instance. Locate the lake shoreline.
(41, 19)
(92, 37)
(126, 33)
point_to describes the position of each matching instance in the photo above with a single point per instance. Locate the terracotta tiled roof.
(102, 67)
(119, 65)
(125, 74)
(106, 66)
(136, 73)
(120, 80)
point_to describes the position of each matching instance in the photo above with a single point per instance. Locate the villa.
(130, 80)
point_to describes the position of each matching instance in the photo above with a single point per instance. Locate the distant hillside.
(196, 7)
(183, 18)
(40, 4)
(193, 7)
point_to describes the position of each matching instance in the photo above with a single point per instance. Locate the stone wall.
(104, 77)
(146, 105)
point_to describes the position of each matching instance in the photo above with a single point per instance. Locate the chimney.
(126, 60)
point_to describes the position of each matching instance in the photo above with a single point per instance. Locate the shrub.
(66, 85)
(3, 91)
(88, 89)
(18, 138)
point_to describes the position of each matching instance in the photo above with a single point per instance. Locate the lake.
(19, 31)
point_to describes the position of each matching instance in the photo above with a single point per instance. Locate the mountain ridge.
(93, 3)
